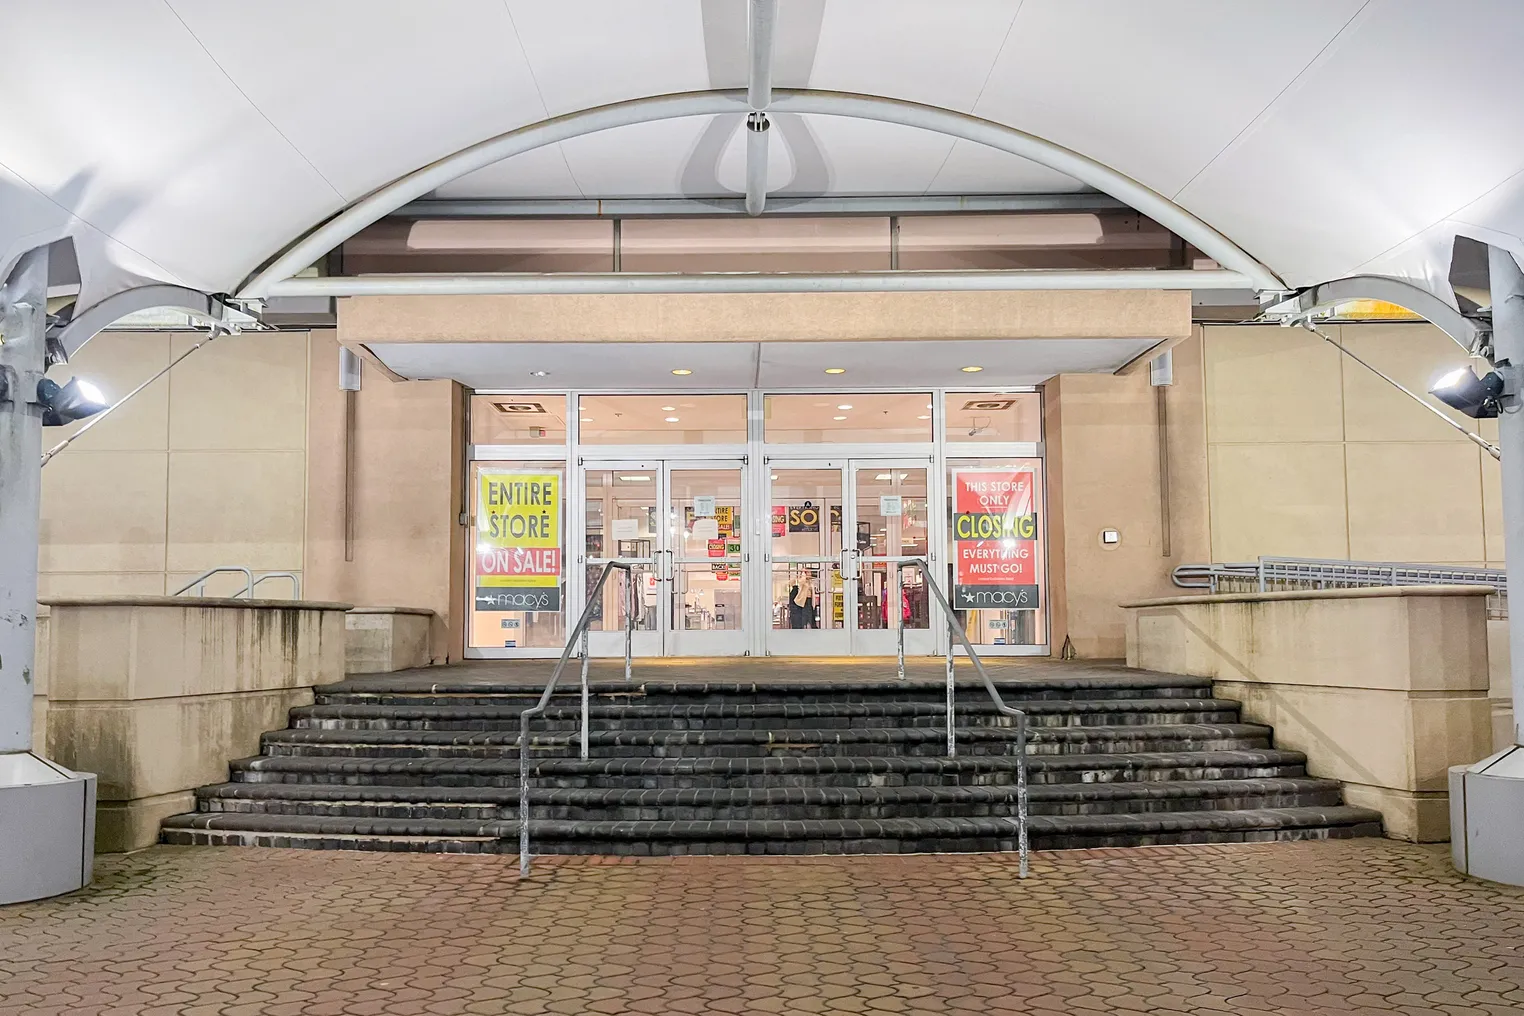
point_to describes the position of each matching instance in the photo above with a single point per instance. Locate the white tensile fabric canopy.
(189, 141)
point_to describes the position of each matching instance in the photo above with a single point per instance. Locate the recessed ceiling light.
(539, 373)
(970, 370)
(775, 476)
(669, 409)
(923, 416)
(636, 479)
(682, 372)
(836, 370)
(848, 406)
(671, 419)
(587, 419)
(883, 476)
(838, 417)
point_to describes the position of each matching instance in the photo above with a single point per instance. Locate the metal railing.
(577, 635)
(1277, 574)
(250, 581)
(961, 637)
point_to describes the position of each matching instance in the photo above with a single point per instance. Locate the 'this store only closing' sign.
(995, 536)
(518, 542)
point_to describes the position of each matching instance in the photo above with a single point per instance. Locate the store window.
(989, 417)
(518, 541)
(997, 530)
(661, 419)
(518, 419)
(814, 419)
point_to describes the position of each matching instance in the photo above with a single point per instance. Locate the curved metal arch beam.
(83, 326)
(380, 203)
(1470, 334)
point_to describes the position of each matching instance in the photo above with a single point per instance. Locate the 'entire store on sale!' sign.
(995, 536)
(518, 542)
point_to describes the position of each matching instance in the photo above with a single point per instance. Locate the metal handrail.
(199, 582)
(296, 583)
(577, 635)
(250, 581)
(1018, 715)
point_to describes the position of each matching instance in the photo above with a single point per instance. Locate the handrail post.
(629, 620)
(585, 662)
(524, 793)
(952, 738)
(899, 615)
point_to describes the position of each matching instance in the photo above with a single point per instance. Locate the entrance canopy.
(190, 141)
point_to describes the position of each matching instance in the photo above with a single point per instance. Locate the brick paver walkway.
(1361, 926)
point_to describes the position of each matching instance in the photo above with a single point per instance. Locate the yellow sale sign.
(518, 541)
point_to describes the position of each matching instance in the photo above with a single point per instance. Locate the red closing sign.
(995, 539)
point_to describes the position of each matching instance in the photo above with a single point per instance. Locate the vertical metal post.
(524, 795)
(1507, 284)
(23, 359)
(629, 620)
(952, 739)
(584, 686)
(1021, 794)
(898, 613)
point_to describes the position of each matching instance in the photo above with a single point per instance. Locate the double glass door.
(844, 544)
(678, 524)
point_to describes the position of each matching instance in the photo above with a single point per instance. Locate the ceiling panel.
(1153, 89)
(596, 51)
(368, 97)
(540, 173)
(143, 137)
(979, 169)
(939, 54)
(738, 365)
(938, 364)
(1320, 210)
(507, 365)
(643, 160)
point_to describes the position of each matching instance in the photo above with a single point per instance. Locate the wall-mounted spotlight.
(1463, 391)
(66, 403)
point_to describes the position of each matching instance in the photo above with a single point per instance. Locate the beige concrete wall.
(1311, 455)
(205, 467)
(1102, 440)
(1382, 689)
(408, 549)
(380, 640)
(156, 694)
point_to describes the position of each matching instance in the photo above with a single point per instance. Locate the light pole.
(1487, 798)
(47, 813)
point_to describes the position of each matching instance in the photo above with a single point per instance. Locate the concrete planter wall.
(383, 639)
(155, 694)
(1382, 688)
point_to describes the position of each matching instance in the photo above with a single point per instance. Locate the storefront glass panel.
(840, 419)
(661, 419)
(518, 419)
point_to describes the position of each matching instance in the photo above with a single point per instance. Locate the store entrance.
(678, 523)
(846, 537)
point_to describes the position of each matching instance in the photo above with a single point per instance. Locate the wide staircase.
(836, 764)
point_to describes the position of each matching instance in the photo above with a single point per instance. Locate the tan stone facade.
(155, 694)
(1384, 689)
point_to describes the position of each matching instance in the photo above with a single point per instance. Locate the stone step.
(752, 716)
(907, 835)
(774, 803)
(870, 741)
(421, 691)
(771, 771)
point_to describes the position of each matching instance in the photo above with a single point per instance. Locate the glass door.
(706, 563)
(810, 597)
(888, 516)
(622, 521)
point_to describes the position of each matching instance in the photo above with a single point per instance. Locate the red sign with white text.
(995, 539)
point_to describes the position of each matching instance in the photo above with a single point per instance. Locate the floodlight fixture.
(66, 403)
(1462, 390)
